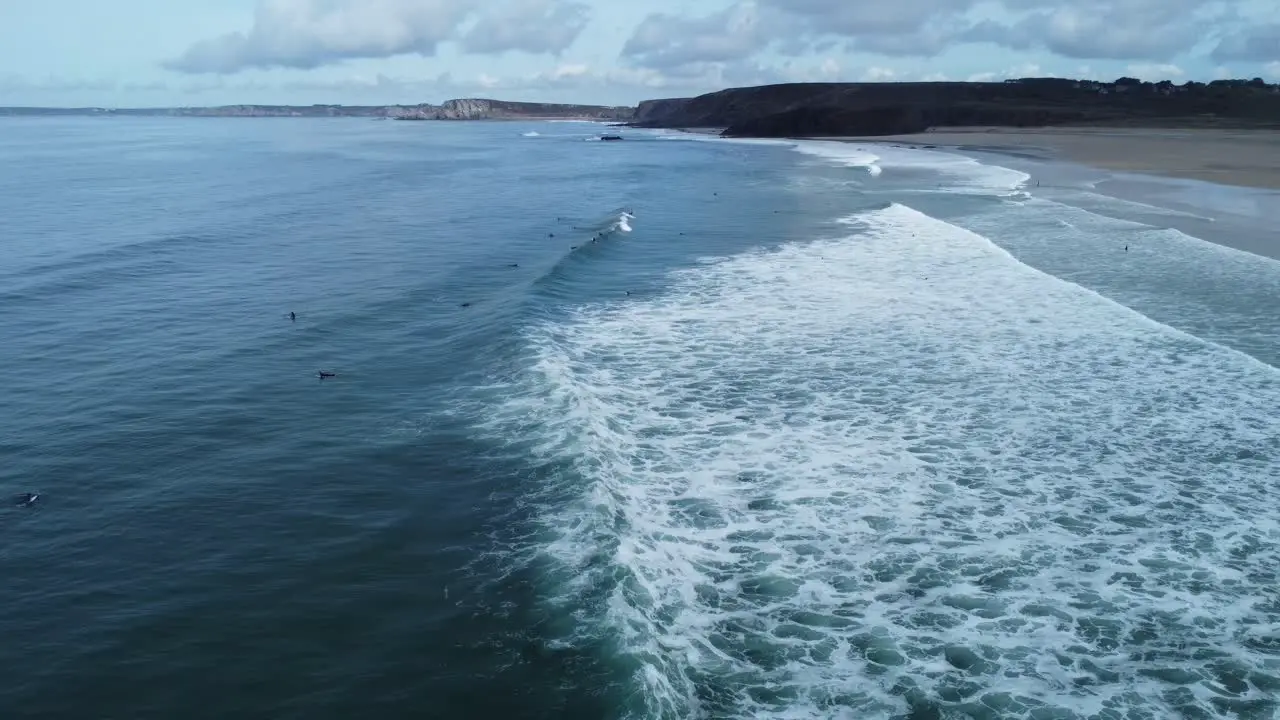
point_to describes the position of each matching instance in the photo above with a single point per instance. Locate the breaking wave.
(900, 471)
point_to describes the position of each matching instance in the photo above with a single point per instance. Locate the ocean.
(673, 427)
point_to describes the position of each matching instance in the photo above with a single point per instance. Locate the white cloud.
(879, 74)
(664, 41)
(1259, 42)
(1020, 71)
(1154, 72)
(309, 33)
(533, 26)
(306, 34)
(1102, 29)
(567, 71)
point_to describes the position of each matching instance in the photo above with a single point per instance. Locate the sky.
(150, 53)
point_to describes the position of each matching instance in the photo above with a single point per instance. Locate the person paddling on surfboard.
(322, 374)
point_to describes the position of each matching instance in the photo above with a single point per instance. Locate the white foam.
(812, 478)
(532, 133)
(842, 153)
(622, 223)
(960, 174)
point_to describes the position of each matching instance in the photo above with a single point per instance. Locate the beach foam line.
(900, 469)
(1214, 292)
(964, 174)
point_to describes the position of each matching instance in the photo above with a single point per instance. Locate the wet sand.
(1249, 158)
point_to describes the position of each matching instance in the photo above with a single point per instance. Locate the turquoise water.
(809, 431)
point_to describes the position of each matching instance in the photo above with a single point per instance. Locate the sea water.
(663, 428)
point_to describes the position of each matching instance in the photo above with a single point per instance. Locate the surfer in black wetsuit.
(292, 317)
(322, 374)
(26, 499)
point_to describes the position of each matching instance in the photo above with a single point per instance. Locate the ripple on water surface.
(901, 472)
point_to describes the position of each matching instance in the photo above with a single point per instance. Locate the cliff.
(655, 110)
(484, 109)
(832, 109)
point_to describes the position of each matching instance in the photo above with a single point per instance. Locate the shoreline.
(1243, 158)
(1220, 186)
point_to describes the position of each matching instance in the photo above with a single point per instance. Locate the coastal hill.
(461, 109)
(835, 109)
(862, 109)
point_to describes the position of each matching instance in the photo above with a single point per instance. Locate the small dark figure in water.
(1126, 248)
(573, 247)
(26, 499)
(465, 305)
(551, 234)
(514, 265)
(628, 292)
(292, 317)
(322, 374)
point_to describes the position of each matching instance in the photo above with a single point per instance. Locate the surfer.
(26, 499)
(1126, 248)
(322, 374)
(292, 317)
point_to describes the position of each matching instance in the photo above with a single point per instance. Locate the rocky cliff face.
(485, 109)
(465, 109)
(656, 111)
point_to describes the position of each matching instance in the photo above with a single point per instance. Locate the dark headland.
(871, 109)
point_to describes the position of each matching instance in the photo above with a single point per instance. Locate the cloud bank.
(306, 34)
(751, 41)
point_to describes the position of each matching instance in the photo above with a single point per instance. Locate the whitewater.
(896, 472)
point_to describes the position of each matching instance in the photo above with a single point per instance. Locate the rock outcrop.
(651, 111)
(485, 109)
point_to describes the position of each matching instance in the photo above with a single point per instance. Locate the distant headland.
(460, 109)
(840, 109)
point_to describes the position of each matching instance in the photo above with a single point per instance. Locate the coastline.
(1221, 186)
(1247, 158)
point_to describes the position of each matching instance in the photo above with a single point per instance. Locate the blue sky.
(121, 53)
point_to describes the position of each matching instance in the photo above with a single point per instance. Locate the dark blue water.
(219, 532)
(557, 478)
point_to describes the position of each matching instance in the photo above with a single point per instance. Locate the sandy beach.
(1249, 158)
